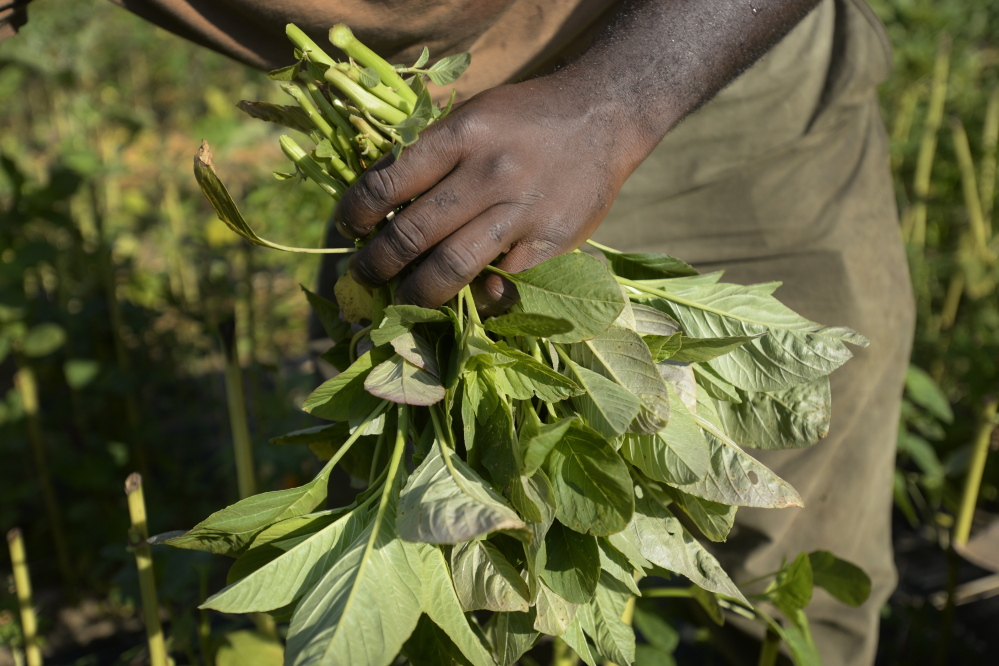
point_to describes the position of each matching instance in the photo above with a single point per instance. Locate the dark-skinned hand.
(525, 172)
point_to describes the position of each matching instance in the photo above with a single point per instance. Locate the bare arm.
(529, 170)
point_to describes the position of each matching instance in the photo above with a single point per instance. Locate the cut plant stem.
(22, 586)
(363, 99)
(236, 403)
(330, 112)
(27, 389)
(973, 481)
(311, 168)
(137, 536)
(310, 110)
(307, 46)
(342, 38)
(374, 136)
(379, 90)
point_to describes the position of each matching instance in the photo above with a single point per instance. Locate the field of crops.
(121, 292)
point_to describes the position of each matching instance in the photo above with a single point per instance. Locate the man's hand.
(528, 171)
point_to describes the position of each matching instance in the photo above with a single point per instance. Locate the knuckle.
(378, 189)
(456, 263)
(405, 238)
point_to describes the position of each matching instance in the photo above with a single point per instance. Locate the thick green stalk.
(311, 168)
(236, 403)
(305, 103)
(330, 111)
(976, 469)
(915, 227)
(27, 389)
(22, 586)
(342, 38)
(980, 231)
(379, 90)
(307, 46)
(376, 138)
(770, 648)
(363, 99)
(137, 536)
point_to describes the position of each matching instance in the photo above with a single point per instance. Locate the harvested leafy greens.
(533, 464)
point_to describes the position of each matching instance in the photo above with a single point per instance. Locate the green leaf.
(429, 645)
(526, 378)
(793, 418)
(288, 73)
(362, 609)
(573, 563)
(663, 347)
(662, 540)
(538, 440)
(344, 397)
(798, 638)
(677, 455)
(616, 565)
(422, 60)
(292, 573)
(441, 506)
(699, 350)
(397, 380)
(737, 478)
(593, 489)
(647, 655)
(485, 580)
(641, 266)
(418, 351)
(791, 590)
(322, 434)
(447, 70)
(511, 635)
(278, 539)
(79, 372)
(575, 287)
(368, 77)
(553, 614)
(658, 632)
(622, 356)
(843, 580)
(292, 117)
(793, 351)
(328, 313)
(249, 648)
(574, 638)
(922, 390)
(529, 324)
(228, 531)
(43, 339)
(441, 604)
(605, 405)
(713, 519)
(601, 620)
(679, 377)
(401, 318)
(652, 322)
(712, 384)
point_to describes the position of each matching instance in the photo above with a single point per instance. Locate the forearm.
(659, 60)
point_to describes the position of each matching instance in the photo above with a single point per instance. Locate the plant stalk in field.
(22, 586)
(138, 533)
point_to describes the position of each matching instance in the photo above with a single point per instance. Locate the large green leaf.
(843, 580)
(713, 519)
(429, 645)
(622, 356)
(278, 539)
(362, 609)
(642, 266)
(664, 541)
(573, 563)
(601, 619)
(526, 378)
(537, 439)
(699, 350)
(529, 324)
(511, 635)
(593, 489)
(606, 406)
(678, 454)
(417, 350)
(652, 322)
(553, 614)
(737, 478)
(439, 505)
(616, 565)
(228, 531)
(400, 381)
(793, 351)
(441, 604)
(343, 397)
(485, 579)
(793, 418)
(292, 573)
(576, 639)
(575, 287)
